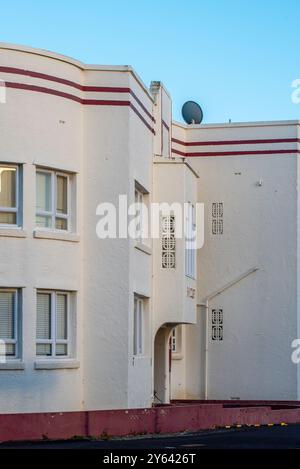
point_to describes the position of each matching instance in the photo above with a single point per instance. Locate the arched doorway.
(162, 365)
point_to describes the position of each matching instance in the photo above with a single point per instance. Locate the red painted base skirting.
(179, 416)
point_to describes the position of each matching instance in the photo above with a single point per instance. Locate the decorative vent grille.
(168, 242)
(217, 324)
(217, 218)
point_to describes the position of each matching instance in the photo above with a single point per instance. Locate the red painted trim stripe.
(236, 142)
(236, 153)
(62, 81)
(88, 102)
(141, 117)
(42, 89)
(165, 125)
(142, 105)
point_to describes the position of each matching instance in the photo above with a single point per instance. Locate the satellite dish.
(192, 113)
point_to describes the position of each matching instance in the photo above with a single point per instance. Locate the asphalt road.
(279, 437)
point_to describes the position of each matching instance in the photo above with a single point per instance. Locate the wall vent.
(168, 242)
(217, 324)
(217, 212)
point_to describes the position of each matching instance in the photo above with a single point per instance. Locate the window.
(139, 201)
(174, 340)
(52, 200)
(9, 323)
(217, 218)
(168, 242)
(53, 324)
(217, 324)
(190, 242)
(9, 194)
(138, 326)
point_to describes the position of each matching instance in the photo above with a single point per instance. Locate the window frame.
(138, 327)
(16, 327)
(15, 209)
(190, 254)
(53, 341)
(174, 340)
(53, 214)
(139, 200)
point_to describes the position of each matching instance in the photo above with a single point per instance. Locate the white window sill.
(144, 248)
(13, 232)
(177, 356)
(58, 235)
(56, 364)
(12, 365)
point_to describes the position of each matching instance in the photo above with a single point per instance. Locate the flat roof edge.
(236, 124)
(77, 63)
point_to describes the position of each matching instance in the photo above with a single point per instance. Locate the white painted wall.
(260, 229)
(108, 149)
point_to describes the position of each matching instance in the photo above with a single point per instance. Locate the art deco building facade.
(89, 323)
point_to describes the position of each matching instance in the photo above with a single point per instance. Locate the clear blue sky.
(236, 57)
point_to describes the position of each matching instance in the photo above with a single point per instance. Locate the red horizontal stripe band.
(97, 89)
(237, 142)
(88, 102)
(236, 153)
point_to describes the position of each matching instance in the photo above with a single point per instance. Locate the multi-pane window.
(9, 322)
(53, 324)
(9, 176)
(174, 340)
(138, 326)
(217, 324)
(168, 242)
(52, 200)
(217, 218)
(190, 242)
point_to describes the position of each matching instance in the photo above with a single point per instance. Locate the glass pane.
(7, 187)
(8, 218)
(10, 350)
(43, 324)
(43, 191)
(140, 329)
(61, 317)
(43, 349)
(43, 221)
(61, 224)
(61, 349)
(7, 309)
(135, 345)
(62, 194)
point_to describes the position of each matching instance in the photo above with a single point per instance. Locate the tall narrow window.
(217, 218)
(174, 340)
(9, 322)
(190, 242)
(52, 200)
(138, 326)
(168, 242)
(139, 201)
(8, 195)
(52, 329)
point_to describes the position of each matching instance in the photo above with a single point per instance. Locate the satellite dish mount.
(192, 113)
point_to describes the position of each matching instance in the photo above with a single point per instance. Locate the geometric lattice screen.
(217, 218)
(168, 243)
(217, 324)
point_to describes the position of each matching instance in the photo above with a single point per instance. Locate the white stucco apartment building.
(87, 323)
